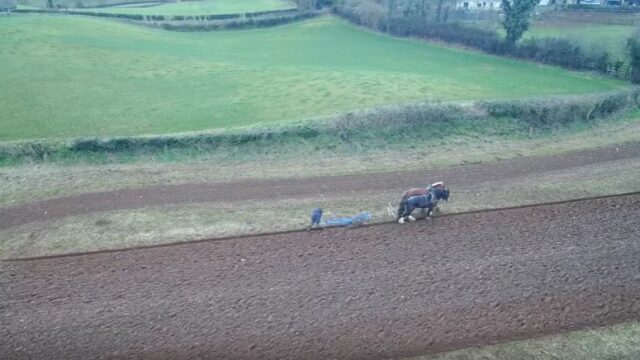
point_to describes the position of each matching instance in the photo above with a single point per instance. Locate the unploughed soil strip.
(293, 231)
(303, 188)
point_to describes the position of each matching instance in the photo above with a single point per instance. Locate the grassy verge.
(156, 225)
(34, 181)
(67, 77)
(620, 342)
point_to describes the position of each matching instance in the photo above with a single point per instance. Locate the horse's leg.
(401, 213)
(406, 212)
(410, 210)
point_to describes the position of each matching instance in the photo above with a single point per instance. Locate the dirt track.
(310, 187)
(375, 292)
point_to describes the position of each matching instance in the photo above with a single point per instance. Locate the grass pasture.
(204, 7)
(72, 77)
(593, 38)
(619, 342)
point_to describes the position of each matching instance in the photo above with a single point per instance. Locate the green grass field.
(204, 7)
(592, 38)
(27, 7)
(619, 342)
(69, 77)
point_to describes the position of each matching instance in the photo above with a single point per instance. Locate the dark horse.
(421, 198)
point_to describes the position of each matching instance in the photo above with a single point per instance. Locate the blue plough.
(347, 221)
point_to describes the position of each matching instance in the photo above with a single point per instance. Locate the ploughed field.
(381, 291)
(71, 77)
(203, 7)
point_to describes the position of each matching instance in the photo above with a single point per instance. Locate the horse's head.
(440, 193)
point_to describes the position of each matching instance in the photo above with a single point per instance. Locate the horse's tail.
(401, 209)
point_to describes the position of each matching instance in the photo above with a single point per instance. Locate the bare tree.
(305, 5)
(423, 9)
(370, 13)
(439, 11)
(391, 6)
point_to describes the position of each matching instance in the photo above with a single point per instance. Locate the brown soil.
(308, 187)
(375, 292)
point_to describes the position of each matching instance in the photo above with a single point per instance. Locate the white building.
(488, 4)
(478, 4)
(7, 6)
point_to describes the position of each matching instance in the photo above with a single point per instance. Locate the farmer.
(316, 215)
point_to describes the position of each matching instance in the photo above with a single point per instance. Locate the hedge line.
(86, 13)
(604, 9)
(251, 22)
(388, 122)
(559, 111)
(138, 17)
(552, 51)
(222, 16)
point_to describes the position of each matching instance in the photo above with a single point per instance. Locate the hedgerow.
(392, 123)
(234, 24)
(552, 51)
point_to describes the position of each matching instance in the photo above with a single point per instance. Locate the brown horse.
(417, 192)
